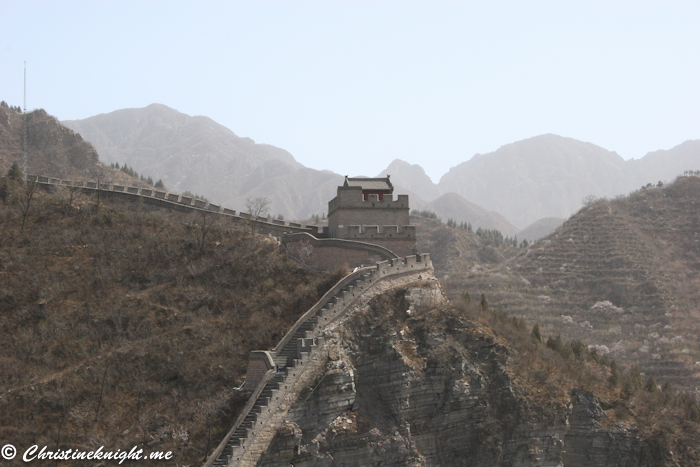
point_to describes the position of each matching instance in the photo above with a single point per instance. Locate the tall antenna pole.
(24, 143)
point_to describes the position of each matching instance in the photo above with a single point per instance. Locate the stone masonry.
(301, 356)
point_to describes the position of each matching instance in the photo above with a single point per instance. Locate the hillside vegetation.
(621, 274)
(123, 325)
(55, 150)
(52, 149)
(455, 250)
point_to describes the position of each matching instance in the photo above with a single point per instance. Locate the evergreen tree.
(650, 386)
(555, 343)
(614, 374)
(632, 381)
(15, 173)
(578, 348)
(466, 297)
(484, 304)
(536, 335)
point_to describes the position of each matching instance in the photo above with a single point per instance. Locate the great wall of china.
(277, 377)
(176, 201)
(328, 253)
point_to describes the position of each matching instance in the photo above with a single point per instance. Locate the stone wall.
(349, 208)
(398, 239)
(259, 363)
(180, 203)
(333, 258)
(330, 254)
(301, 356)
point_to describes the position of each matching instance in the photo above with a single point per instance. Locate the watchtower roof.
(370, 183)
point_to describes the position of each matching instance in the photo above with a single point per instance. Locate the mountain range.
(546, 176)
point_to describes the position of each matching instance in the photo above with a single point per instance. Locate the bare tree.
(210, 408)
(25, 198)
(72, 189)
(589, 200)
(257, 207)
(207, 221)
(103, 176)
(306, 248)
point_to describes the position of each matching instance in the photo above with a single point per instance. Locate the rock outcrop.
(408, 384)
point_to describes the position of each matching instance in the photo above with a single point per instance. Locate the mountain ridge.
(197, 154)
(525, 181)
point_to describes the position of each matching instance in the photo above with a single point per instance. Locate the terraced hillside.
(620, 274)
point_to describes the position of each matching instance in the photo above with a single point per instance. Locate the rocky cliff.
(408, 384)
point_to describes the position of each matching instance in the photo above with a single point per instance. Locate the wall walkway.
(299, 357)
(175, 201)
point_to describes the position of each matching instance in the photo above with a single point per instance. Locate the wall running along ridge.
(368, 245)
(281, 374)
(175, 201)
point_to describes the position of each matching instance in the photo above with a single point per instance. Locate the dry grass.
(119, 329)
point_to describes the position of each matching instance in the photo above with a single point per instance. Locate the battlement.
(366, 210)
(352, 198)
(181, 203)
(365, 232)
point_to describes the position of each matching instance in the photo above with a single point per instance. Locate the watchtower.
(365, 210)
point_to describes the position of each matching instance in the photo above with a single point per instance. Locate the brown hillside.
(52, 149)
(454, 250)
(121, 328)
(621, 274)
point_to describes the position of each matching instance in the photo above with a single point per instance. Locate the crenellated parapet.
(300, 356)
(380, 232)
(352, 198)
(363, 218)
(358, 213)
(176, 201)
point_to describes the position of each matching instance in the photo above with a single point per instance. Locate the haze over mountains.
(199, 155)
(520, 183)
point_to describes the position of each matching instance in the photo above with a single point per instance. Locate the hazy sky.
(350, 86)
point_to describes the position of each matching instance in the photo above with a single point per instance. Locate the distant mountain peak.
(411, 177)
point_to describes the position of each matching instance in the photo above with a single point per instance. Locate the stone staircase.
(296, 353)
